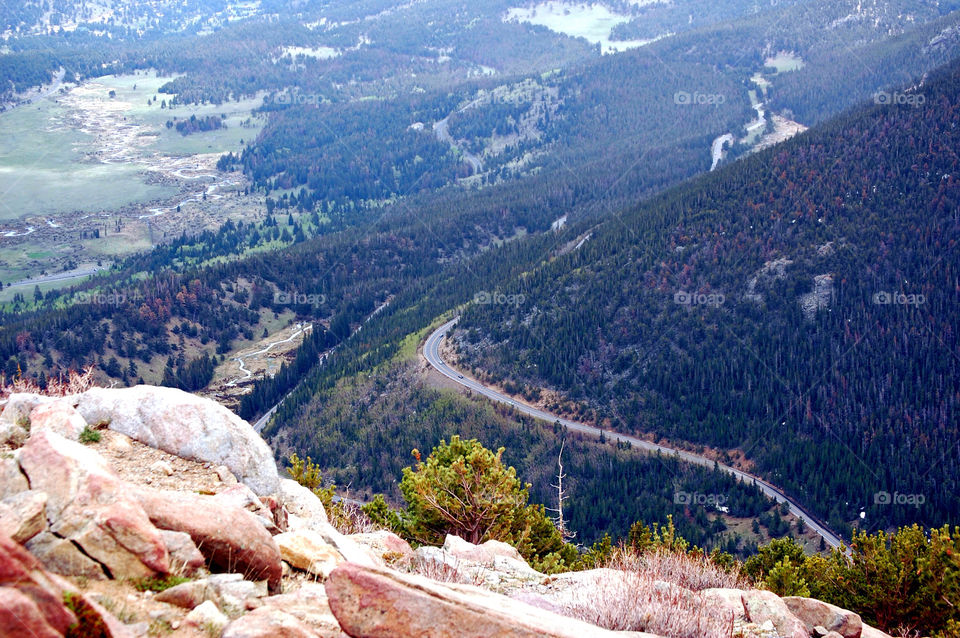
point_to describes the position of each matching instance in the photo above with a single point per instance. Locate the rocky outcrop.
(384, 545)
(231, 593)
(350, 549)
(23, 515)
(89, 506)
(188, 426)
(59, 417)
(725, 601)
(307, 550)
(20, 616)
(15, 424)
(12, 434)
(765, 606)
(816, 613)
(69, 507)
(231, 539)
(309, 605)
(268, 622)
(242, 497)
(79, 518)
(30, 602)
(490, 563)
(12, 479)
(301, 503)
(378, 603)
(60, 556)
(486, 553)
(185, 558)
(33, 602)
(820, 297)
(208, 618)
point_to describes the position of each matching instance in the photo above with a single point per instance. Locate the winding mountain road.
(442, 130)
(431, 351)
(61, 276)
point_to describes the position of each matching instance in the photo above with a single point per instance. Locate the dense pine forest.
(775, 309)
(797, 307)
(364, 428)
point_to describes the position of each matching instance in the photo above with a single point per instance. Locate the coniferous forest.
(799, 306)
(792, 311)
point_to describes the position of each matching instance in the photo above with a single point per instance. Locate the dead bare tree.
(558, 521)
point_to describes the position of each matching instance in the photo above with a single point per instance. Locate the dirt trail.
(783, 128)
(241, 359)
(716, 149)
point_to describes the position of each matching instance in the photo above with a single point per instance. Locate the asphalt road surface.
(431, 351)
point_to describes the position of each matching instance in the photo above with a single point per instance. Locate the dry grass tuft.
(349, 518)
(690, 571)
(441, 572)
(656, 592)
(61, 386)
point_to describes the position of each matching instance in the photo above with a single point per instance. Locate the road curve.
(431, 351)
(61, 276)
(442, 130)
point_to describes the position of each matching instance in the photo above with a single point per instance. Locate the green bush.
(779, 551)
(909, 579)
(786, 579)
(159, 583)
(465, 489)
(89, 624)
(89, 435)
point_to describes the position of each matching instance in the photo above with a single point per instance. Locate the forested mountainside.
(224, 52)
(798, 306)
(364, 428)
(340, 157)
(376, 224)
(537, 99)
(613, 110)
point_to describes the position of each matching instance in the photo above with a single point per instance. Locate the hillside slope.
(799, 306)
